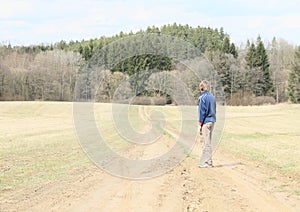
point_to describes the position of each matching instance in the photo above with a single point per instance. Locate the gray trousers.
(206, 156)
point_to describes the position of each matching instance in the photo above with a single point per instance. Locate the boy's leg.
(206, 156)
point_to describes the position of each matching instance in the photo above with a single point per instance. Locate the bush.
(238, 99)
(263, 100)
(158, 101)
(145, 100)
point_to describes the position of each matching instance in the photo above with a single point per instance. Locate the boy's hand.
(200, 129)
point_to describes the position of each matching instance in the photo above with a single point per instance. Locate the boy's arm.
(202, 110)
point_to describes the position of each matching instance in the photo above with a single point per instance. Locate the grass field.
(38, 142)
(38, 145)
(270, 134)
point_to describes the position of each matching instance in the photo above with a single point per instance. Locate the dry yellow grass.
(270, 134)
(38, 143)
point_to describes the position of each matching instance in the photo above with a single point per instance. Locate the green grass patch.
(257, 134)
(272, 178)
(39, 143)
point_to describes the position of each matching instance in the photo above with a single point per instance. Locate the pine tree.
(294, 80)
(250, 56)
(248, 44)
(262, 64)
(222, 34)
(258, 63)
(233, 50)
(226, 45)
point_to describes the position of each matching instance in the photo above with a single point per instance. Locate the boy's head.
(204, 86)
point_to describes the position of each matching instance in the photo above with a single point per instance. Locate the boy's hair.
(204, 86)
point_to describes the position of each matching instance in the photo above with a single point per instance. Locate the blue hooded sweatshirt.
(207, 108)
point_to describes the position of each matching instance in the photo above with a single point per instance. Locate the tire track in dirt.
(230, 186)
(118, 194)
(233, 184)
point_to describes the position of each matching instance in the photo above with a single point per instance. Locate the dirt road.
(232, 185)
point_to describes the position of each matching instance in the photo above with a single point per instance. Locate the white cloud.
(291, 21)
(268, 4)
(11, 9)
(32, 21)
(241, 28)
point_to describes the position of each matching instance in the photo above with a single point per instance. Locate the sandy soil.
(232, 185)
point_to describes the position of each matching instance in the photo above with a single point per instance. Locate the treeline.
(250, 74)
(49, 75)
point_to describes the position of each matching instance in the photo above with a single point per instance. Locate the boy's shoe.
(206, 165)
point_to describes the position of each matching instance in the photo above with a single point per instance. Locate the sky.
(30, 22)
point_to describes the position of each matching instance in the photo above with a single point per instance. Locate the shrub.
(238, 99)
(145, 100)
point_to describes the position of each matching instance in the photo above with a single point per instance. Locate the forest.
(258, 72)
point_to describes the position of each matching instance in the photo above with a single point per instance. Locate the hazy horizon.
(34, 22)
